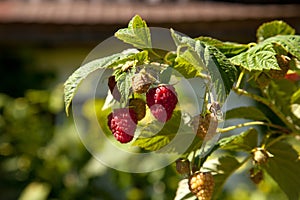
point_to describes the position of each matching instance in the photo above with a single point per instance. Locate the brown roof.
(79, 12)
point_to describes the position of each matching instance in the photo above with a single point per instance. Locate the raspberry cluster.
(202, 185)
(161, 101)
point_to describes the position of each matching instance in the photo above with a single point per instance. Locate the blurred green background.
(41, 155)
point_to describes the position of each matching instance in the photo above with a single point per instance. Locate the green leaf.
(290, 43)
(273, 28)
(284, 168)
(124, 84)
(81, 73)
(223, 73)
(154, 137)
(259, 57)
(224, 166)
(296, 97)
(245, 141)
(229, 49)
(249, 112)
(137, 33)
(185, 68)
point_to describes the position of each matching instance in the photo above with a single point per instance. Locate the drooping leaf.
(223, 73)
(247, 112)
(137, 33)
(290, 43)
(224, 166)
(81, 73)
(124, 85)
(284, 168)
(245, 141)
(270, 29)
(229, 49)
(260, 57)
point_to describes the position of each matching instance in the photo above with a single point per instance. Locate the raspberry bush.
(262, 137)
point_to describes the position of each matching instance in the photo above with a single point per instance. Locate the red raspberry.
(162, 101)
(113, 89)
(122, 122)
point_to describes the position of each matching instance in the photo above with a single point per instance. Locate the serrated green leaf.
(224, 166)
(284, 168)
(153, 137)
(249, 112)
(245, 141)
(290, 43)
(223, 73)
(273, 28)
(260, 57)
(137, 33)
(81, 73)
(229, 49)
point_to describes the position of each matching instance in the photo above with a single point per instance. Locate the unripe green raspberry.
(203, 125)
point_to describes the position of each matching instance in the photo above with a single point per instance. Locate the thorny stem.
(223, 130)
(267, 103)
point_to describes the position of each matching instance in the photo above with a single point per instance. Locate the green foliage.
(249, 112)
(284, 168)
(217, 63)
(72, 84)
(137, 33)
(273, 28)
(259, 57)
(244, 141)
(229, 49)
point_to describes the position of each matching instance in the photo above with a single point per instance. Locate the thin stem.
(239, 81)
(267, 103)
(224, 130)
(274, 141)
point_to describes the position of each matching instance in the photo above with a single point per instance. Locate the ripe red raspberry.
(113, 89)
(162, 101)
(122, 122)
(202, 185)
(205, 126)
(139, 106)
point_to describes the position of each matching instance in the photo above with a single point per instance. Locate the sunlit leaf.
(290, 43)
(137, 33)
(273, 28)
(183, 192)
(260, 57)
(229, 49)
(72, 83)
